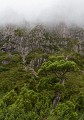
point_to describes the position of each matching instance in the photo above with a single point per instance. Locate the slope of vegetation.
(41, 75)
(56, 93)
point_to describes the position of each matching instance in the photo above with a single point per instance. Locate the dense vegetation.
(41, 75)
(56, 92)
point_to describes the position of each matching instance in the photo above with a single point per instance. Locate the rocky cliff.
(48, 40)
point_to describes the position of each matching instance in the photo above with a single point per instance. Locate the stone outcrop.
(24, 40)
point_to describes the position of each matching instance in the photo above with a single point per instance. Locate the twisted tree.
(59, 68)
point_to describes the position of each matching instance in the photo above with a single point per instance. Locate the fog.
(42, 11)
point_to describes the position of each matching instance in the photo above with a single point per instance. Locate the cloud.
(47, 11)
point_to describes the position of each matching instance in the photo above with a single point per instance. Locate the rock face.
(24, 40)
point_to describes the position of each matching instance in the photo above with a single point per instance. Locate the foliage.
(58, 67)
(64, 111)
(28, 105)
(26, 97)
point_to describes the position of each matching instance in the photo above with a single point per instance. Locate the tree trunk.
(62, 81)
(56, 99)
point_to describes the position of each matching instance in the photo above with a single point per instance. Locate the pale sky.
(42, 10)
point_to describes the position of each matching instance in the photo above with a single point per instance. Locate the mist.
(42, 11)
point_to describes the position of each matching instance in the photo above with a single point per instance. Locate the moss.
(19, 32)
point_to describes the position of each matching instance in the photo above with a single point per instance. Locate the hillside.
(42, 72)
